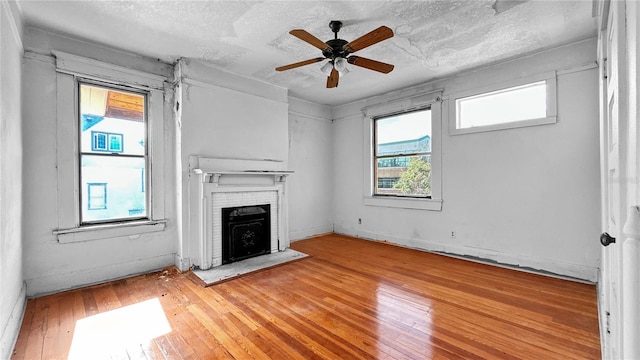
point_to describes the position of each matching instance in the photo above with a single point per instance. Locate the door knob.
(606, 239)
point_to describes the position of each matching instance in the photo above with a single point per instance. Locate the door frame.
(619, 279)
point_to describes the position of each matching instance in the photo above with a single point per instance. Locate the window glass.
(402, 164)
(112, 154)
(525, 102)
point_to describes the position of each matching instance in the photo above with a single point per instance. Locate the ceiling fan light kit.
(340, 63)
(326, 68)
(338, 52)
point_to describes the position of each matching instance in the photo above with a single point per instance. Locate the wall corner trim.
(11, 329)
(14, 24)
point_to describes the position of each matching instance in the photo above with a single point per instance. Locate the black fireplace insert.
(246, 232)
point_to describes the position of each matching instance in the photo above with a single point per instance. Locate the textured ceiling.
(432, 39)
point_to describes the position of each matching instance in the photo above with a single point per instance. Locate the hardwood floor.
(352, 299)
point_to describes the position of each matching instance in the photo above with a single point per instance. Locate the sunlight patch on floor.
(117, 331)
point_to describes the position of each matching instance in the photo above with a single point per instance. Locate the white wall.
(50, 266)
(310, 156)
(12, 289)
(224, 115)
(242, 118)
(527, 196)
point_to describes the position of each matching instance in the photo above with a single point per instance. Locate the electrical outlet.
(359, 221)
(453, 234)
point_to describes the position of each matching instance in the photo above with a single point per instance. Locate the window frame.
(71, 70)
(432, 99)
(109, 152)
(551, 94)
(376, 157)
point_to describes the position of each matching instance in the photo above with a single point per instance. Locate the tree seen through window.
(403, 154)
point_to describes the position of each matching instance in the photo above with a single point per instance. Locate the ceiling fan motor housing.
(335, 49)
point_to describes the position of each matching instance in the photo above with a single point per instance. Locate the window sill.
(505, 126)
(96, 232)
(411, 203)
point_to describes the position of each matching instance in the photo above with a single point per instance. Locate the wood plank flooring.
(351, 299)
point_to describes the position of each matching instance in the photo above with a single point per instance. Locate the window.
(106, 142)
(103, 157)
(519, 103)
(387, 183)
(99, 141)
(110, 158)
(403, 157)
(402, 154)
(97, 196)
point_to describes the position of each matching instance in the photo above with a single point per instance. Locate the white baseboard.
(310, 232)
(515, 261)
(85, 277)
(11, 330)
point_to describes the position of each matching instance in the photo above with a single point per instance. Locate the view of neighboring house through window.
(113, 154)
(402, 154)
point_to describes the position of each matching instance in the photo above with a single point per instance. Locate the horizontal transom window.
(513, 104)
(520, 103)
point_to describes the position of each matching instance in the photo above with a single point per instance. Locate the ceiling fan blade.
(332, 79)
(310, 39)
(370, 64)
(368, 39)
(298, 64)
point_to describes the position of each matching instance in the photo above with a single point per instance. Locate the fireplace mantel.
(214, 175)
(216, 183)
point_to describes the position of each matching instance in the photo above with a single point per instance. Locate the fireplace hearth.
(246, 232)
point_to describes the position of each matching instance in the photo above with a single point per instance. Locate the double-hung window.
(110, 153)
(403, 157)
(113, 152)
(402, 154)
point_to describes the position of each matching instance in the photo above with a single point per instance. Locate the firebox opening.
(246, 232)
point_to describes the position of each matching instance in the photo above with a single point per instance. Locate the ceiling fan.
(339, 52)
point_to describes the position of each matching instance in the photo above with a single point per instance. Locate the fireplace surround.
(217, 184)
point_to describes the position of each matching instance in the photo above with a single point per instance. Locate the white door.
(613, 173)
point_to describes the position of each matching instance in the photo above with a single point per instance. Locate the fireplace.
(246, 232)
(249, 184)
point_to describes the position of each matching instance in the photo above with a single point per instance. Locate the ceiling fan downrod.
(336, 45)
